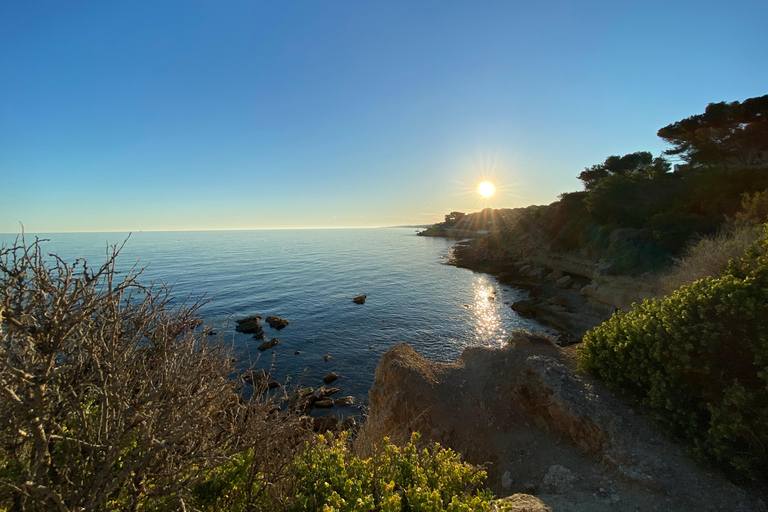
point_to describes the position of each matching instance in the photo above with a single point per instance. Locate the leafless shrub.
(112, 397)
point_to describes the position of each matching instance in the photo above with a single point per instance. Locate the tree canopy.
(726, 134)
(639, 164)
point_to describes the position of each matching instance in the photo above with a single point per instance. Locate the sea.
(309, 277)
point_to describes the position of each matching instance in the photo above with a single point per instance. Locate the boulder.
(348, 423)
(326, 357)
(273, 384)
(324, 403)
(276, 322)
(268, 344)
(325, 423)
(345, 400)
(525, 307)
(330, 377)
(249, 325)
(360, 299)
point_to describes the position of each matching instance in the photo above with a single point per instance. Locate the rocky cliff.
(543, 429)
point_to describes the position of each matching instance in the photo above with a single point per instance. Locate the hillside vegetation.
(635, 210)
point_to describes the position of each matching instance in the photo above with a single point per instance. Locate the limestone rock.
(564, 282)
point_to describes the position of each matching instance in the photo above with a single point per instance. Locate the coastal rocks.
(618, 292)
(524, 412)
(526, 307)
(330, 377)
(324, 403)
(554, 312)
(325, 423)
(249, 325)
(555, 275)
(268, 344)
(360, 299)
(344, 401)
(276, 322)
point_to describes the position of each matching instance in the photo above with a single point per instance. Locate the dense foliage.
(699, 360)
(392, 480)
(726, 134)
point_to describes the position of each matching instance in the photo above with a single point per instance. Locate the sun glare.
(486, 189)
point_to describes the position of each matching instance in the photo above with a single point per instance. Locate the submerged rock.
(360, 299)
(268, 344)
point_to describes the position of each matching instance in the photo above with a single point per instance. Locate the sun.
(486, 189)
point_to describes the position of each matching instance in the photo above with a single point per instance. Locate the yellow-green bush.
(699, 360)
(394, 479)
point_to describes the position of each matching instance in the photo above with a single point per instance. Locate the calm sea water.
(309, 277)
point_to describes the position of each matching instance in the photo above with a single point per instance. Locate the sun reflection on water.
(488, 300)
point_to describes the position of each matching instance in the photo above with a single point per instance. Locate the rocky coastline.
(568, 292)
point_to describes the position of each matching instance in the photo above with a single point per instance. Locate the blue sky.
(127, 116)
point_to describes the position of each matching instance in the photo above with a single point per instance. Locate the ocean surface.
(309, 277)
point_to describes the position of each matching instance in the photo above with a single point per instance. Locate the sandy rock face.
(542, 430)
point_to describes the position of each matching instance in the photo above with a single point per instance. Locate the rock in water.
(324, 402)
(323, 423)
(249, 325)
(276, 322)
(360, 299)
(345, 400)
(268, 344)
(330, 377)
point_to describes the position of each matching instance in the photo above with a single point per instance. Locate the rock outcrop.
(276, 322)
(543, 430)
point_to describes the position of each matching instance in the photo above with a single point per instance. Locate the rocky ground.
(543, 429)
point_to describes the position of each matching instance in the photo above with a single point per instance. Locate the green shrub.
(699, 360)
(331, 478)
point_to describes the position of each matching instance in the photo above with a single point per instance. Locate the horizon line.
(208, 230)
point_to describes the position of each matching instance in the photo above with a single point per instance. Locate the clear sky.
(127, 116)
